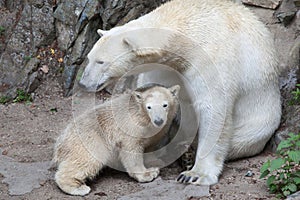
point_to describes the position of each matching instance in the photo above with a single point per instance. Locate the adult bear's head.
(120, 50)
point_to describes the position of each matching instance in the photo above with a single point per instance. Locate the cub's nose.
(158, 122)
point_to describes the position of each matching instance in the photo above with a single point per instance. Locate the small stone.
(4, 152)
(249, 173)
(42, 183)
(285, 17)
(101, 194)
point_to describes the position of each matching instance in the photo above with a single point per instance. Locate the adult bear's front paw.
(196, 178)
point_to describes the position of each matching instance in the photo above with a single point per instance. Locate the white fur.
(231, 67)
(115, 134)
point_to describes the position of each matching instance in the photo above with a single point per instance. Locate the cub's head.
(117, 52)
(159, 103)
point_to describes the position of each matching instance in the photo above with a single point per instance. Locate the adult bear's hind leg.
(257, 116)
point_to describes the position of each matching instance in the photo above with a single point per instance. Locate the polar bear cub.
(114, 134)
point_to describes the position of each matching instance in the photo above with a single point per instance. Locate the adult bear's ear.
(174, 90)
(129, 43)
(140, 49)
(101, 32)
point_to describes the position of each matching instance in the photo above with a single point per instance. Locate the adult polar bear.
(236, 95)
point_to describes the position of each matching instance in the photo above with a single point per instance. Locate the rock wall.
(25, 27)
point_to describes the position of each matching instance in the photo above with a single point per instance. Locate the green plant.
(4, 99)
(22, 96)
(27, 58)
(296, 94)
(284, 171)
(79, 74)
(2, 30)
(53, 110)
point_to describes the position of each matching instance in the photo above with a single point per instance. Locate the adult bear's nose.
(81, 85)
(158, 121)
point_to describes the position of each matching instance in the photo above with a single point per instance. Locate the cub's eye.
(99, 62)
(149, 107)
(165, 105)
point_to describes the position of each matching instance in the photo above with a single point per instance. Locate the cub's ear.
(101, 32)
(138, 96)
(139, 49)
(174, 90)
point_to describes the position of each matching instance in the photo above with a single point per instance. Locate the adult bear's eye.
(99, 62)
(149, 107)
(165, 105)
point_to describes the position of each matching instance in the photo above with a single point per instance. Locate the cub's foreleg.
(133, 162)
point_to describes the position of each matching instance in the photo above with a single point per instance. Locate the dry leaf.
(45, 69)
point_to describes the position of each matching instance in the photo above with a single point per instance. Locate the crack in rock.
(22, 178)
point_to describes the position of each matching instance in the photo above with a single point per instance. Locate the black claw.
(187, 179)
(182, 180)
(180, 177)
(195, 179)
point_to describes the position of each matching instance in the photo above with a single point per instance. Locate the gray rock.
(272, 4)
(294, 53)
(72, 17)
(286, 12)
(295, 196)
(118, 12)
(167, 189)
(285, 17)
(34, 81)
(31, 74)
(23, 177)
(33, 28)
(77, 35)
(290, 123)
(12, 5)
(68, 75)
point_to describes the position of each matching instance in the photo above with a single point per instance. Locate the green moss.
(22, 96)
(4, 99)
(27, 58)
(296, 95)
(2, 30)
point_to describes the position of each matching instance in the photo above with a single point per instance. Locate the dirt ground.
(28, 133)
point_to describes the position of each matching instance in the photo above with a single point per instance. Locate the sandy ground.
(28, 133)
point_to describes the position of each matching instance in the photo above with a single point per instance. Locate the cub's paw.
(196, 178)
(80, 191)
(147, 176)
